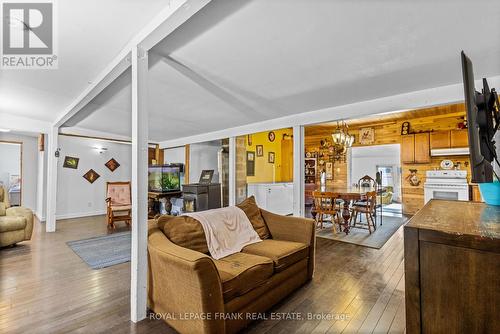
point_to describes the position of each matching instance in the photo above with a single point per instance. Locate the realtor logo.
(28, 35)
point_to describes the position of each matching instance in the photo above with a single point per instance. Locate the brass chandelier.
(342, 140)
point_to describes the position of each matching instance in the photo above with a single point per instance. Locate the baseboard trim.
(80, 215)
(40, 218)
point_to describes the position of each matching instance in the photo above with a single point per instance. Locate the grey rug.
(104, 251)
(362, 237)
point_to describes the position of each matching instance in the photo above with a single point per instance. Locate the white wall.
(174, 155)
(76, 197)
(203, 156)
(30, 167)
(364, 161)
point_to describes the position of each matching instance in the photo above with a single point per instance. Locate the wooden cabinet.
(422, 150)
(449, 139)
(452, 271)
(459, 138)
(440, 139)
(408, 148)
(415, 148)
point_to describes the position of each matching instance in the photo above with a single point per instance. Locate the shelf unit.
(310, 170)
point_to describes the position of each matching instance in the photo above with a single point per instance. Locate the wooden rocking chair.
(119, 203)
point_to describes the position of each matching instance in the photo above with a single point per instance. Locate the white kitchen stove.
(446, 184)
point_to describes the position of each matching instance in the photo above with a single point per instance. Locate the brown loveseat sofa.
(195, 293)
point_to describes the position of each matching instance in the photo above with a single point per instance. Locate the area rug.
(104, 251)
(362, 237)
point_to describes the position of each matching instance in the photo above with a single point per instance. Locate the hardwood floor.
(46, 288)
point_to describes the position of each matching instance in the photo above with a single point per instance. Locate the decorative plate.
(446, 164)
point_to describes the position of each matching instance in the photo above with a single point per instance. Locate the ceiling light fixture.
(100, 149)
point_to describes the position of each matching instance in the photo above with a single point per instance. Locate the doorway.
(384, 159)
(11, 171)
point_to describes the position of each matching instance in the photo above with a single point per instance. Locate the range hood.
(439, 152)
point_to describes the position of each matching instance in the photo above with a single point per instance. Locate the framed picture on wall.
(250, 163)
(259, 150)
(91, 176)
(366, 136)
(249, 140)
(270, 157)
(71, 162)
(112, 164)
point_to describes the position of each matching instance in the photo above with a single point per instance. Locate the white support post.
(232, 171)
(52, 160)
(41, 178)
(138, 281)
(298, 171)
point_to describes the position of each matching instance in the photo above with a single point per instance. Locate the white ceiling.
(240, 62)
(91, 33)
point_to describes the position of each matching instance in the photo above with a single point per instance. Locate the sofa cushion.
(184, 231)
(249, 206)
(242, 272)
(9, 223)
(283, 253)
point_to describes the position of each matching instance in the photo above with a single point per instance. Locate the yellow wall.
(263, 169)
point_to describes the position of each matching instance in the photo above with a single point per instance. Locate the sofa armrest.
(296, 229)
(26, 213)
(290, 228)
(183, 281)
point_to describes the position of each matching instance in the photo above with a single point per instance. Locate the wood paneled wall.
(388, 131)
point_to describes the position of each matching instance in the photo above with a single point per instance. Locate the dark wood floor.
(46, 288)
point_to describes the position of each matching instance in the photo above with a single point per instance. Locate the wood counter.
(452, 268)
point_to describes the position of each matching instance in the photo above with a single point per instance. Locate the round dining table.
(348, 195)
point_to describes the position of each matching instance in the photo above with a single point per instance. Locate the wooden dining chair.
(368, 209)
(325, 203)
(366, 182)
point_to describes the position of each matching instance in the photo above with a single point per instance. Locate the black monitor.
(483, 118)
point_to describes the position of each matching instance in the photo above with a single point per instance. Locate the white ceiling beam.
(103, 80)
(169, 19)
(84, 132)
(401, 102)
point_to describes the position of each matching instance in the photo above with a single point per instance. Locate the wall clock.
(447, 164)
(271, 136)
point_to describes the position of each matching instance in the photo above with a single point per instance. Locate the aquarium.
(164, 178)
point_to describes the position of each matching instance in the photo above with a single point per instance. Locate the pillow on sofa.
(184, 231)
(249, 206)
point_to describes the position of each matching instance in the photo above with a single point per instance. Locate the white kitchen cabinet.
(273, 197)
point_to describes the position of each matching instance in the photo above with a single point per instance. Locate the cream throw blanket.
(227, 230)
